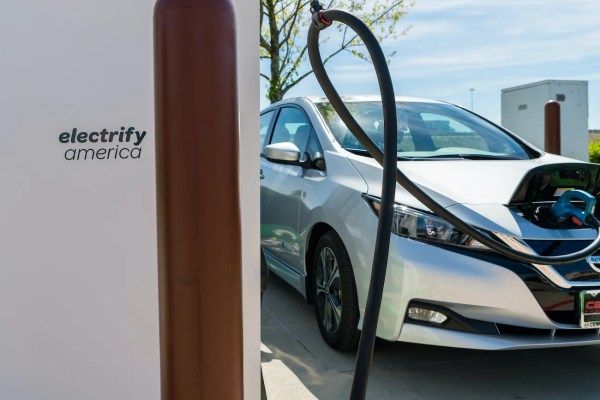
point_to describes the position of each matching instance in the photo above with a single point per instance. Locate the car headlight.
(416, 224)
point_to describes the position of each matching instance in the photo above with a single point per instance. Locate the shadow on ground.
(297, 364)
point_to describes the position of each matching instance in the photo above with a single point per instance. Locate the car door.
(281, 188)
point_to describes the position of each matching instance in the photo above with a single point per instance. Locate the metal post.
(552, 127)
(472, 97)
(197, 200)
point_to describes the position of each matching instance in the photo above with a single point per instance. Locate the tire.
(335, 301)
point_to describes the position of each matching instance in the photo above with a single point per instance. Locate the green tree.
(282, 44)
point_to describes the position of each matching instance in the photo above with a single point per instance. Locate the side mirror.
(319, 162)
(284, 153)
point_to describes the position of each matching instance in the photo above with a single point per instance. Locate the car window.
(427, 130)
(265, 121)
(292, 126)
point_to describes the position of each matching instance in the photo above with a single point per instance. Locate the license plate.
(589, 302)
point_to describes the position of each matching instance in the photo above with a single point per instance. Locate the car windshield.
(427, 131)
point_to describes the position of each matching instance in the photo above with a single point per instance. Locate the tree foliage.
(283, 46)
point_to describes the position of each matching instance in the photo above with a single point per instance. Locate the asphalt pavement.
(298, 365)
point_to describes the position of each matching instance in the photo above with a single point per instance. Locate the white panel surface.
(78, 281)
(247, 26)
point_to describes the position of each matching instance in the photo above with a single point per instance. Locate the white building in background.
(523, 113)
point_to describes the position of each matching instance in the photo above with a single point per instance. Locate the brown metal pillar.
(198, 200)
(552, 122)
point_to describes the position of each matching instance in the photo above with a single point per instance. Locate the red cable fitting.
(324, 20)
(320, 20)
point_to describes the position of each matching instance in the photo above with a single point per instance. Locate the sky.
(455, 45)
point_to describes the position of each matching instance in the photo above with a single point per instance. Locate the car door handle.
(262, 175)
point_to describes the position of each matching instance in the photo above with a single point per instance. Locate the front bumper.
(444, 337)
(526, 308)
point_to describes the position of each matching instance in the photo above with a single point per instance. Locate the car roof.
(363, 98)
(347, 99)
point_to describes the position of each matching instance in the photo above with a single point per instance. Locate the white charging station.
(523, 113)
(78, 276)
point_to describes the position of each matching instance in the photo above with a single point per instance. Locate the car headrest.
(281, 134)
(301, 136)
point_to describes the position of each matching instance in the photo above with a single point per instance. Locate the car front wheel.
(336, 302)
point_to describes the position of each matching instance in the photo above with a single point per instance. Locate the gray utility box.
(523, 114)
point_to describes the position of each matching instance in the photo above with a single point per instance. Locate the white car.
(319, 202)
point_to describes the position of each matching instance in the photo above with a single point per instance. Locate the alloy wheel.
(329, 290)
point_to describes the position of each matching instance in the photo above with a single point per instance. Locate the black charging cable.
(391, 174)
(321, 20)
(388, 159)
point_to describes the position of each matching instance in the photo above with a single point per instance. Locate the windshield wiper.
(359, 152)
(362, 152)
(470, 157)
(365, 153)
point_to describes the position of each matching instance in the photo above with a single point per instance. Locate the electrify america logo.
(122, 144)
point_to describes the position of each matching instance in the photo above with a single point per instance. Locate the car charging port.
(559, 196)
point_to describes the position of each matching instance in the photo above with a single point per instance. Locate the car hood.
(475, 190)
